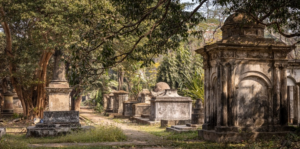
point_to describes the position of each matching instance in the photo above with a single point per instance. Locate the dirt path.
(132, 133)
(134, 136)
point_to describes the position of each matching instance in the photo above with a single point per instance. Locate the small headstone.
(2, 131)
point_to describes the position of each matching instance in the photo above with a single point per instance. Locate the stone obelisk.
(59, 90)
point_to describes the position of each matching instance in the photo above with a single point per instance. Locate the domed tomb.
(159, 89)
(245, 83)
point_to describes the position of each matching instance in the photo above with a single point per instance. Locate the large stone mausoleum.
(245, 83)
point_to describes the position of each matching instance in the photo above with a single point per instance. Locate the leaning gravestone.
(58, 120)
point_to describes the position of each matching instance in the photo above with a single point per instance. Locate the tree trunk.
(27, 96)
(77, 103)
(120, 79)
(76, 99)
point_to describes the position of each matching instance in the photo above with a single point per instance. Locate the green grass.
(107, 133)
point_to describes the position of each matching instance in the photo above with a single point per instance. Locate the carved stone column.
(232, 96)
(298, 104)
(206, 93)
(296, 100)
(219, 91)
(283, 100)
(290, 101)
(224, 94)
(276, 100)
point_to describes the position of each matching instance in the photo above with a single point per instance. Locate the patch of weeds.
(102, 133)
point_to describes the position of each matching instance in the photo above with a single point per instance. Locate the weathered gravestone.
(128, 108)
(110, 103)
(245, 84)
(58, 120)
(119, 96)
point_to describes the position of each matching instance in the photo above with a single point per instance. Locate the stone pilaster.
(296, 108)
(276, 100)
(207, 93)
(232, 97)
(219, 91)
(283, 100)
(224, 96)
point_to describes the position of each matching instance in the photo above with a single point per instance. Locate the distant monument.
(245, 84)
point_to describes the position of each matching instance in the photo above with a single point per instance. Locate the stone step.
(145, 121)
(183, 127)
(170, 129)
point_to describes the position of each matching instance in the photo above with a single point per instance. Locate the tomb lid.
(171, 95)
(8, 93)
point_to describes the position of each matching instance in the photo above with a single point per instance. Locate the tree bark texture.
(32, 98)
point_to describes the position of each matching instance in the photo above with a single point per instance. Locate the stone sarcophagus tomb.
(170, 106)
(245, 83)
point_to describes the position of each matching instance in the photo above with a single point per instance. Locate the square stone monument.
(59, 119)
(245, 84)
(120, 97)
(171, 106)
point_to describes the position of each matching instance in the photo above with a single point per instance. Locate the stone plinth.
(170, 106)
(127, 107)
(245, 83)
(110, 103)
(55, 123)
(120, 97)
(8, 107)
(59, 96)
(140, 109)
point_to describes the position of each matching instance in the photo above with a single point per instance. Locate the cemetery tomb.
(293, 82)
(128, 108)
(141, 111)
(245, 84)
(170, 106)
(58, 120)
(196, 122)
(119, 98)
(8, 108)
(110, 103)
